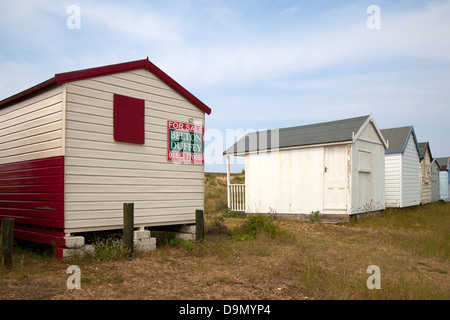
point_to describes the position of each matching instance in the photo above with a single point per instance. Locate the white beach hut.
(402, 167)
(336, 168)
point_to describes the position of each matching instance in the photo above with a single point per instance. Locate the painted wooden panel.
(129, 119)
(102, 173)
(368, 178)
(336, 167)
(32, 192)
(410, 175)
(285, 182)
(435, 196)
(425, 178)
(32, 129)
(393, 163)
(443, 185)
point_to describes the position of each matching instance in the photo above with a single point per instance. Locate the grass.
(253, 258)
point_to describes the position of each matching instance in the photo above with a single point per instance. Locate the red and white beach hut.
(74, 148)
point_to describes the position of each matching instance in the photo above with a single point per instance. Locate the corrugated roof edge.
(106, 70)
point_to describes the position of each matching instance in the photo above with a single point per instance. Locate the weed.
(257, 225)
(314, 216)
(109, 249)
(187, 244)
(227, 213)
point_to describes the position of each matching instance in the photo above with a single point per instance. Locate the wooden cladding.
(32, 192)
(129, 119)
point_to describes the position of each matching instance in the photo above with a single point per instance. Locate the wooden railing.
(236, 199)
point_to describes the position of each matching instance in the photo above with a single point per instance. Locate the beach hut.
(76, 147)
(435, 168)
(334, 168)
(425, 172)
(444, 178)
(402, 167)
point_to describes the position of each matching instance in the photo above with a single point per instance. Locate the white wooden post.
(228, 182)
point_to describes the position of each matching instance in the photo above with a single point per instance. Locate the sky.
(257, 64)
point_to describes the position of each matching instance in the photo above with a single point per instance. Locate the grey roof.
(423, 146)
(398, 138)
(327, 132)
(443, 163)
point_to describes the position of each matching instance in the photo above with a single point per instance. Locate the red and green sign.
(185, 142)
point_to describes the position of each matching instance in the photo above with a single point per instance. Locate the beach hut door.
(335, 180)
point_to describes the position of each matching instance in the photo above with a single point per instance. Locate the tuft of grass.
(314, 216)
(258, 226)
(109, 248)
(187, 244)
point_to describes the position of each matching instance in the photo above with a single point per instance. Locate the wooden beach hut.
(76, 147)
(444, 178)
(425, 172)
(402, 167)
(335, 168)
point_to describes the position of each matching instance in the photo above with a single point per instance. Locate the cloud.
(290, 10)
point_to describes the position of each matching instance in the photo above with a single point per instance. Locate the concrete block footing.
(187, 232)
(141, 234)
(145, 245)
(78, 252)
(74, 242)
(185, 236)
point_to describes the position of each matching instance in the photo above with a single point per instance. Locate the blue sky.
(257, 64)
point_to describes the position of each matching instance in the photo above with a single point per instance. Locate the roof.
(398, 139)
(423, 147)
(326, 132)
(443, 163)
(107, 70)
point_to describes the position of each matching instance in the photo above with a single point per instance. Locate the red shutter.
(129, 119)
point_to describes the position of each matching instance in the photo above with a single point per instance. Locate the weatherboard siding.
(425, 178)
(393, 163)
(32, 129)
(368, 186)
(444, 185)
(434, 181)
(102, 174)
(410, 175)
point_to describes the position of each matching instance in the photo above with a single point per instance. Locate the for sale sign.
(185, 142)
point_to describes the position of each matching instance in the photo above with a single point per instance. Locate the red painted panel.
(36, 221)
(49, 188)
(129, 119)
(32, 192)
(51, 237)
(31, 172)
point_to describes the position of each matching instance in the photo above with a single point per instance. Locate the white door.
(336, 180)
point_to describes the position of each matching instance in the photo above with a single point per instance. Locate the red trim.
(176, 86)
(27, 92)
(99, 71)
(61, 78)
